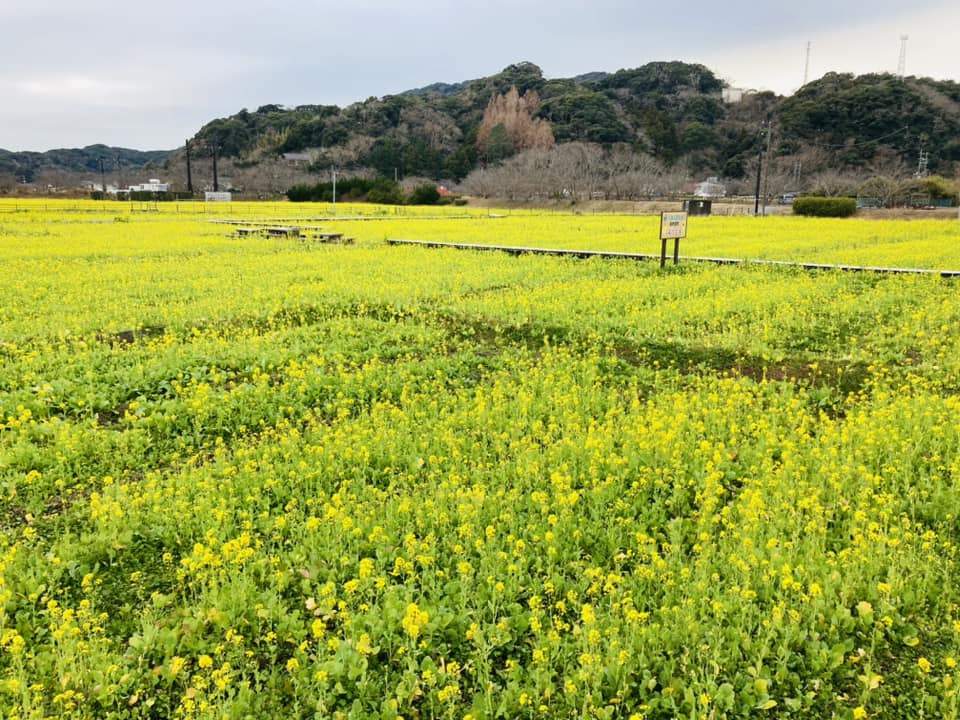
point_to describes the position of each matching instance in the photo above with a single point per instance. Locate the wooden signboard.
(673, 225)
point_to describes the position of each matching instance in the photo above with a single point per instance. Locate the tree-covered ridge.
(672, 111)
(661, 108)
(854, 115)
(27, 165)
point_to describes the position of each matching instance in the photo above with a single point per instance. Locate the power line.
(857, 144)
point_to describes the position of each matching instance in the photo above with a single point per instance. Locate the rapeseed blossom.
(242, 474)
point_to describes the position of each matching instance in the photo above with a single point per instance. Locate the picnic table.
(293, 231)
(282, 231)
(269, 230)
(330, 237)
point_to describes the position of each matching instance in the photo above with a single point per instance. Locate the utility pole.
(116, 160)
(189, 172)
(103, 178)
(334, 191)
(756, 203)
(766, 174)
(806, 69)
(216, 177)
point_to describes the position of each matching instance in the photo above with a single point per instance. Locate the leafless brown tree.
(516, 113)
(834, 183)
(576, 171)
(887, 190)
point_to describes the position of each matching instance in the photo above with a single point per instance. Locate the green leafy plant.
(825, 206)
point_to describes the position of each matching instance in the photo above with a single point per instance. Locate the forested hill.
(673, 111)
(857, 116)
(668, 109)
(27, 165)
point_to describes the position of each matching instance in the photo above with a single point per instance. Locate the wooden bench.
(332, 237)
(293, 232)
(279, 231)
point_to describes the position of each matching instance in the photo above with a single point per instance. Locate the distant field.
(934, 243)
(266, 478)
(908, 243)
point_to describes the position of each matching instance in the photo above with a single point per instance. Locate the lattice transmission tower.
(923, 163)
(902, 65)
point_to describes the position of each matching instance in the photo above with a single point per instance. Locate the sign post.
(672, 225)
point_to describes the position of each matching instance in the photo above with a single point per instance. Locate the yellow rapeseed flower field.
(257, 478)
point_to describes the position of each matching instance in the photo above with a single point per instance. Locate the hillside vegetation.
(653, 127)
(26, 166)
(671, 111)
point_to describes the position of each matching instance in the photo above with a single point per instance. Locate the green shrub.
(825, 206)
(385, 192)
(142, 196)
(355, 189)
(426, 194)
(938, 188)
(302, 193)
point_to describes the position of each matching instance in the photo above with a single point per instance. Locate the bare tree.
(575, 171)
(889, 163)
(516, 114)
(835, 183)
(438, 130)
(346, 154)
(887, 190)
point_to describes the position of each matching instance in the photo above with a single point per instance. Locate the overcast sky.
(148, 75)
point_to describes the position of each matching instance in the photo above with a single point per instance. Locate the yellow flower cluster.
(414, 620)
(245, 477)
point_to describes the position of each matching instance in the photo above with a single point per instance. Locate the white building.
(710, 188)
(732, 95)
(95, 186)
(153, 186)
(298, 157)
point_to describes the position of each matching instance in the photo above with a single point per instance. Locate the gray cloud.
(127, 74)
